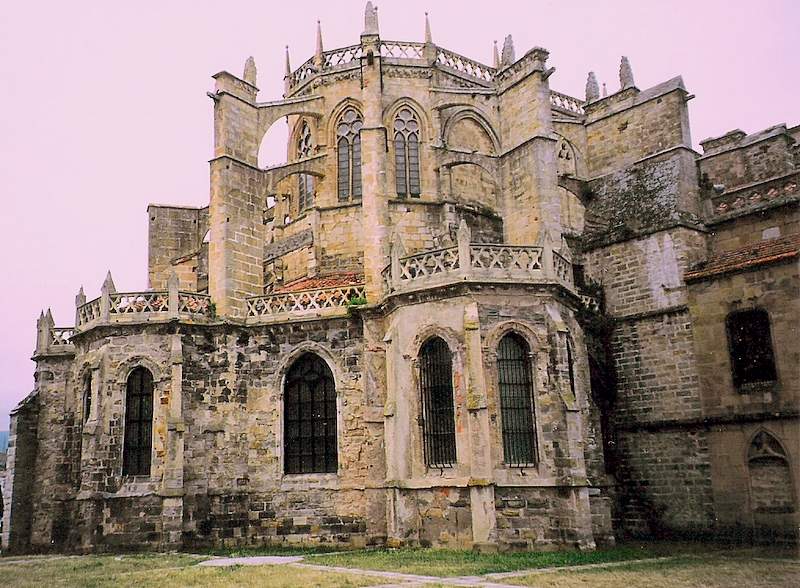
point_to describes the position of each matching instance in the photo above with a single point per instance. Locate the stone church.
(469, 312)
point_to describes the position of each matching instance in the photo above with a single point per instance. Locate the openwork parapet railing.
(477, 261)
(114, 307)
(465, 65)
(305, 301)
(566, 103)
(402, 49)
(60, 336)
(347, 57)
(135, 306)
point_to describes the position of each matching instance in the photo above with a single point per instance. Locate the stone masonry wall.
(236, 491)
(173, 231)
(624, 136)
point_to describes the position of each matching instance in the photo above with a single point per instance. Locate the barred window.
(138, 443)
(438, 415)
(87, 396)
(406, 153)
(750, 345)
(305, 181)
(309, 408)
(348, 144)
(516, 401)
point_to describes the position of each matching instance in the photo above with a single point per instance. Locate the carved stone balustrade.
(478, 262)
(143, 307)
(319, 302)
(566, 104)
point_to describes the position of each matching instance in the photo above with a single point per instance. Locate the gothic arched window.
(406, 153)
(750, 344)
(438, 414)
(305, 182)
(516, 401)
(348, 147)
(309, 409)
(138, 443)
(87, 396)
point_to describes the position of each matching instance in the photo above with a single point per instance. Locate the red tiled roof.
(747, 257)
(317, 283)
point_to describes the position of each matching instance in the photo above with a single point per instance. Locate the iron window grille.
(138, 444)
(516, 401)
(310, 418)
(750, 346)
(305, 182)
(348, 146)
(437, 418)
(406, 153)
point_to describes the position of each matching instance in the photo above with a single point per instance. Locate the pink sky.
(104, 107)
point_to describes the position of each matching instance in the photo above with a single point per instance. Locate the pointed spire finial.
(108, 283)
(80, 298)
(625, 74)
(48, 317)
(318, 57)
(508, 56)
(288, 71)
(605, 90)
(370, 19)
(428, 36)
(592, 91)
(250, 71)
(496, 55)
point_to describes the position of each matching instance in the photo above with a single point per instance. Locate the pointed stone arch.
(771, 484)
(474, 116)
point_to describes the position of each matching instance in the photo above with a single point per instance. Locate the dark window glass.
(571, 365)
(413, 165)
(357, 167)
(138, 443)
(406, 153)
(516, 401)
(344, 168)
(750, 344)
(348, 131)
(309, 406)
(400, 164)
(438, 415)
(87, 397)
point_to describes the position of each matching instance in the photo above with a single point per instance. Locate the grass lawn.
(683, 572)
(689, 565)
(445, 562)
(157, 570)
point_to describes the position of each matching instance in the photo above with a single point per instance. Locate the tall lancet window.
(348, 146)
(305, 182)
(406, 153)
(516, 401)
(438, 413)
(138, 442)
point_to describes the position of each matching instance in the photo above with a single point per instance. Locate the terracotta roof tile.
(747, 257)
(319, 282)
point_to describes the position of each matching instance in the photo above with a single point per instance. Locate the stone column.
(484, 520)
(172, 483)
(375, 207)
